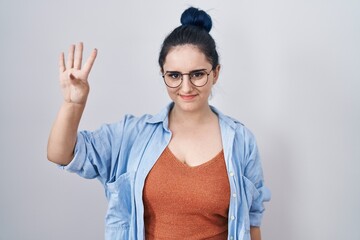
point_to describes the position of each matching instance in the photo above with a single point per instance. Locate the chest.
(196, 146)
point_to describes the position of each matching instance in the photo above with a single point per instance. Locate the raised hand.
(73, 76)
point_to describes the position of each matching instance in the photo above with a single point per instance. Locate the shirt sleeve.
(256, 192)
(97, 153)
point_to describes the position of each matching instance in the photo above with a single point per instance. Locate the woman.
(189, 172)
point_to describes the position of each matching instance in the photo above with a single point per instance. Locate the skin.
(186, 58)
(75, 88)
(196, 132)
(255, 233)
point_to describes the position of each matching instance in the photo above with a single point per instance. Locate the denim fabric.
(121, 155)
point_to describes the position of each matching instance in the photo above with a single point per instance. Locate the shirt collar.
(164, 114)
(161, 116)
(225, 119)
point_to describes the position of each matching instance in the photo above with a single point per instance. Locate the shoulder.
(237, 127)
(228, 121)
(129, 124)
(134, 124)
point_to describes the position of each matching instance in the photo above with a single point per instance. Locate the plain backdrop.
(290, 72)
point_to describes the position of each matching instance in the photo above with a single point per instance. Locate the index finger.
(90, 61)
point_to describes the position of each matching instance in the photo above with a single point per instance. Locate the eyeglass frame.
(182, 77)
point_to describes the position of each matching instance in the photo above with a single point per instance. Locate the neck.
(191, 118)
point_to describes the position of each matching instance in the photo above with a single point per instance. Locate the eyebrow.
(195, 70)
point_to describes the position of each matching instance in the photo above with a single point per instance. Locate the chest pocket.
(120, 206)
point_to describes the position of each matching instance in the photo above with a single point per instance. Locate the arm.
(257, 192)
(75, 88)
(255, 233)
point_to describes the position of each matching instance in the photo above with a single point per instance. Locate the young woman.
(189, 172)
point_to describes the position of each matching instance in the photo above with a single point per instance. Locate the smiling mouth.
(187, 97)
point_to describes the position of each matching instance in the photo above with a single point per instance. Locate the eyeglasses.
(174, 79)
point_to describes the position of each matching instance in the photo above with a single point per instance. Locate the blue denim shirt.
(121, 155)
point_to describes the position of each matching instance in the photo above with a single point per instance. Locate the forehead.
(185, 58)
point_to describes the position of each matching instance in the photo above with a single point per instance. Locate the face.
(185, 59)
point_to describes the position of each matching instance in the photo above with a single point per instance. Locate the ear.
(216, 73)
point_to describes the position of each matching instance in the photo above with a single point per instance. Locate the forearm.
(255, 233)
(63, 134)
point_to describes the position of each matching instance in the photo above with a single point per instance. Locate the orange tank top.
(183, 202)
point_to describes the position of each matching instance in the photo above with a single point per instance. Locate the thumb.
(71, 76)
(74, 81)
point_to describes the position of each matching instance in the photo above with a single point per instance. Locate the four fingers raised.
(74, 60)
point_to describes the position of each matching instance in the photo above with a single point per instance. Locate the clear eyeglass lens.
(198, 75)
(174, 76)
(173, 79)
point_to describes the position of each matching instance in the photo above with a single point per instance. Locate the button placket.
(234, 195)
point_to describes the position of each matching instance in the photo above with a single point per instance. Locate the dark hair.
(195, 28)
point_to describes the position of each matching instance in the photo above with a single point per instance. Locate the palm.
(73, 76)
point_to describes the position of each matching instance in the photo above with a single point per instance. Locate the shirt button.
(234, 195)
(232, 217)
(232, 174)
(231, 237)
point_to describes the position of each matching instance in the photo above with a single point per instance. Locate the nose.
(186, 85)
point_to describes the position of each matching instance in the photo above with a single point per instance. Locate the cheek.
(170, 91)
(208, 89)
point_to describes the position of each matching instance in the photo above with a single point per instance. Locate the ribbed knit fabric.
(183, 202)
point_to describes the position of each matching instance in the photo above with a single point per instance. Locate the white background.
(290, 73)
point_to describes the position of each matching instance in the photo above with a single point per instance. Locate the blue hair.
(196, 17)
(195, 28)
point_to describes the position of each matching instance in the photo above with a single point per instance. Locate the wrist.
(72, 111)
(73, 105)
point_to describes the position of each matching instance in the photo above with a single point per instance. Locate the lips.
(187, 97)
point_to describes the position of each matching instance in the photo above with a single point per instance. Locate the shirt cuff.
(78, 161)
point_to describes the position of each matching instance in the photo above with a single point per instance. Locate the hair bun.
(196, 17)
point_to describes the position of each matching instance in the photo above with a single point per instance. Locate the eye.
(197, 74)
(174, 75)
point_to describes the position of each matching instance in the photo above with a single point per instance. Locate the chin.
(189, 106)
